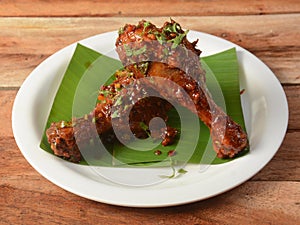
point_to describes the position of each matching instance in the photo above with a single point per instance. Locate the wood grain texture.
(293, 97)
(33, 30)
(87, 8)
(26, 43)
(35, 200)
(6, 103)
(252, 196)
(286, 163)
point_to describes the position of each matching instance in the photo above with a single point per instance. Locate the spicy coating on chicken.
(147, 51)
(170, 55)
(125, 96)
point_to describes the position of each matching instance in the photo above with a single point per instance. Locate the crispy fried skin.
(180, 65)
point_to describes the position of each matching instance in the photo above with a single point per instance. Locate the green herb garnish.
(140, 50)
(178, 39)
(146, 24)
(121, 30)
(145, 128)
(172, 28)
(174, 171)
(115, 114)
(118, 101)
(134, 52)
(161, 38)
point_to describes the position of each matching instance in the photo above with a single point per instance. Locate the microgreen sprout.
(175, 172)
(145, 128)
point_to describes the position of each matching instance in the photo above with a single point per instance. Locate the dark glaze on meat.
(65, 137)
(228, 137)
(169, 55)
(146, 42)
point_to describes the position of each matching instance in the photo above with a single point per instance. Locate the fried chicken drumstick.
(149, 52)
(171, 56)
(68, 138)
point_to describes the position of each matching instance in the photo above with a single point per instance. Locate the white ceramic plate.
(266, 115)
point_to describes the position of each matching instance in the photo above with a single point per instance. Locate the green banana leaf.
(88, 70)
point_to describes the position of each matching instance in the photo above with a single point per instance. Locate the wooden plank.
(6, 103)
(16, 67)
(43, 35)
(143, 8)
(24, 43)
(286, 163)
(293, 97)
(250, 203)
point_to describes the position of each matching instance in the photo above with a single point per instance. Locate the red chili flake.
(242, 91)
(171, 153)
(157, 152)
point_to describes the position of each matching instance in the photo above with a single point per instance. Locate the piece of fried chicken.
(126, 97)
(171, 56)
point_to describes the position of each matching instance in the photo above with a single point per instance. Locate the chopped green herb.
(115, 114)
(118, 101)
(128, 50)
(174, 172)
(140, 50)
(178, 39)
(160, 38)
(143, 67)
(145, 128)
(170, 29)
(134, 52)
(121, 30)
(146, 24)
(62, 124)
(166, 52)
(182, 171)
(105, 92)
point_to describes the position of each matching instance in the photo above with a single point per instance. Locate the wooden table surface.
(30, 31)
